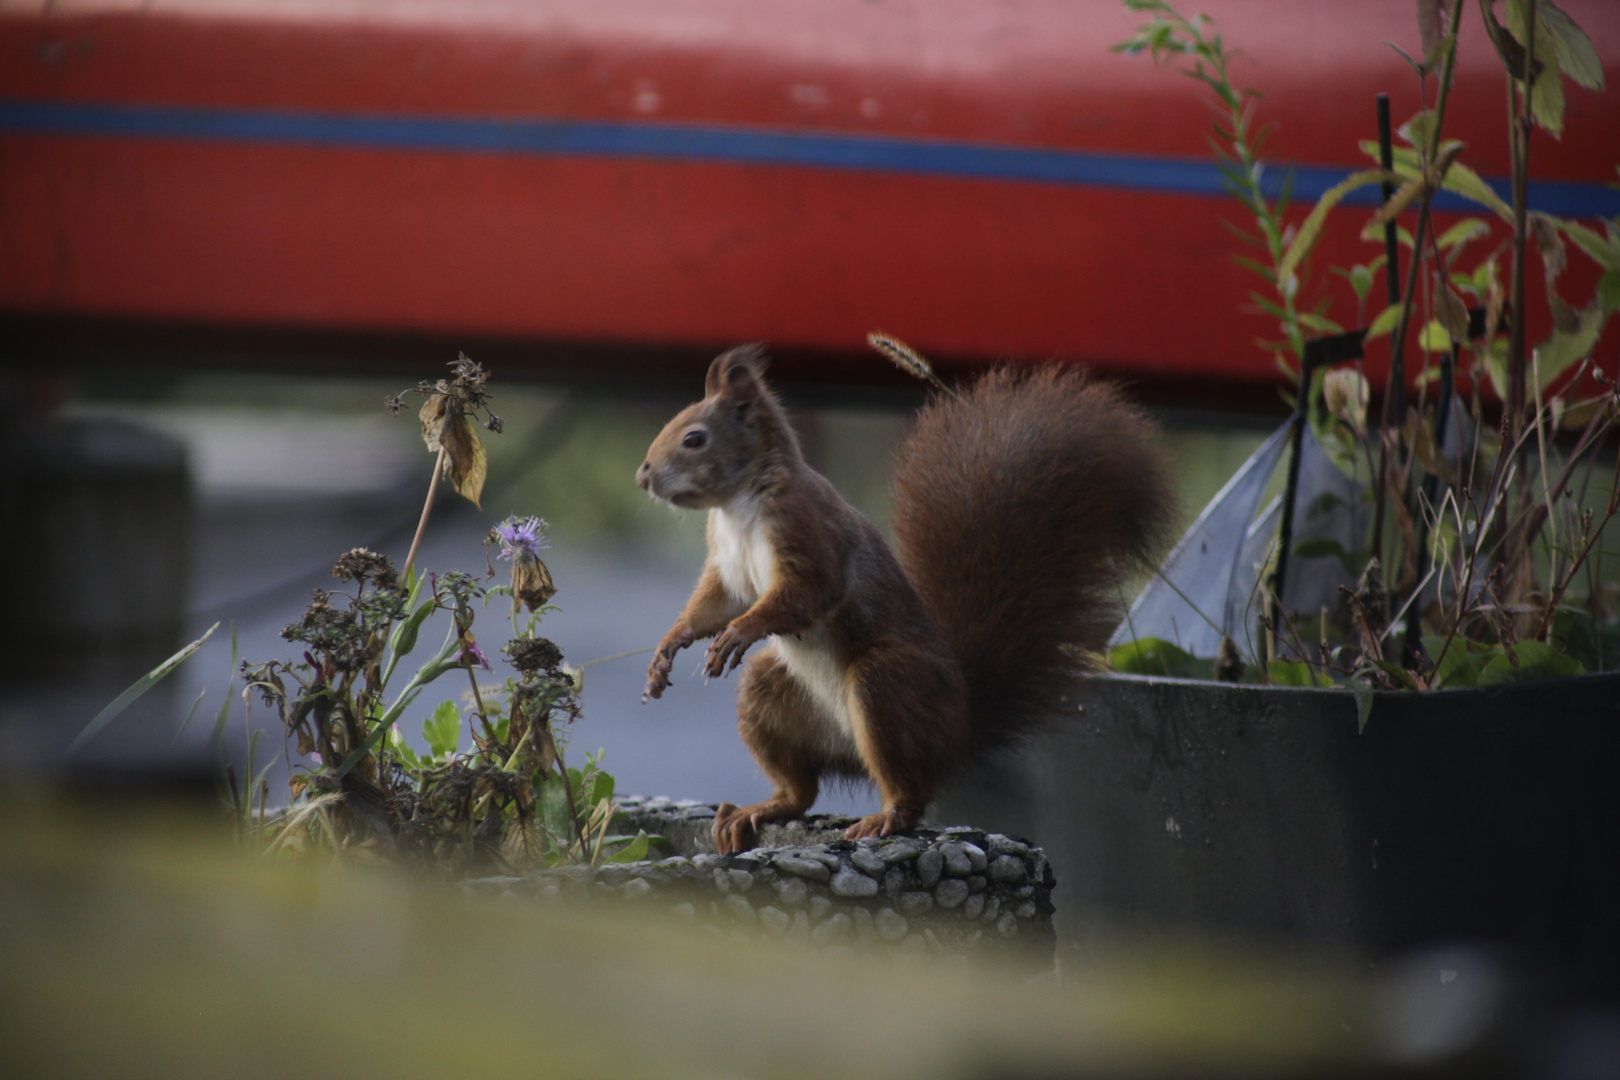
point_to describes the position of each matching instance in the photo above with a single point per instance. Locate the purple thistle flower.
(522, 539)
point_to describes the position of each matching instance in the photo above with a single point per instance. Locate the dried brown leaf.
(464, 466)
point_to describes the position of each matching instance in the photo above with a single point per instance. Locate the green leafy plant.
(497, 793)
(1239, 143)
(1494, 551)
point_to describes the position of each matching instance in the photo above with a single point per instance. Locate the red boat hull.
(404, 226)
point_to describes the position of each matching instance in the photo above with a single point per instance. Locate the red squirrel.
(1018, 504)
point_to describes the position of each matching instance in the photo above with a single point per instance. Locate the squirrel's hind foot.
(736, 829)
(882, 823)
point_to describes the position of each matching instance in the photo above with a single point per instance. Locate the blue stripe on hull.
(696, 142)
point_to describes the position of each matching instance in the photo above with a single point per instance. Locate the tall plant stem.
(427, 509)
(1521, 121)
(1516, 539)
(1393, 414)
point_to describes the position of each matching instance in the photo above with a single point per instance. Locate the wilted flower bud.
(1344, 392)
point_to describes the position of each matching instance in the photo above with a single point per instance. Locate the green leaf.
(1576, 631)
(1291, 673)
(442, 730)
(1419, 130)
(1384, 323)
(1320, 549)
(1312, 321)
(403, 639)
(1459, 179)
(1361, 280)
(1555, 355)
(634, 851)
(378, 733)
(1396, 672)
(1547, 101)
(1537, 660)
(1496, 366)
(1155, 656)
(398, 747)
(1363, 694)
(1434, 338)
(601, 788)
(1603, 250)
(1608, 292)
(136, 689)
(1311, 228)
(1455, 667)
(553, 807)
(1320, 505)
(1570, 45)
(1461, 233)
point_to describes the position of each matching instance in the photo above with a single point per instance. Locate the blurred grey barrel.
(95, 546)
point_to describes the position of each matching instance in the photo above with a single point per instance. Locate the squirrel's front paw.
(657, 679)
(658, 674)
(663, 663)
(727, 651)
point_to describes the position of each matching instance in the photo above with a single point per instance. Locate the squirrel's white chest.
(742, 551)
(743, 556)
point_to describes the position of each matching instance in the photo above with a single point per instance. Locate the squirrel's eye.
(694, 440)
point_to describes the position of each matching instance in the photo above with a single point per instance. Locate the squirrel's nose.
(644, 475)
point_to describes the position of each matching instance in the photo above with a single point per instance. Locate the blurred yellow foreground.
(138, 941)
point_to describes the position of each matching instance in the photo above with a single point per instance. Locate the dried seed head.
(533, 655)
(904, 357)
(363, 565)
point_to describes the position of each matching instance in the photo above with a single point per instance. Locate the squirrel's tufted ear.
(736, 369)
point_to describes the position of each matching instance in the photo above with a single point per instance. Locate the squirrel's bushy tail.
(1018, 508)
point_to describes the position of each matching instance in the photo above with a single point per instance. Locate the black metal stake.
(1319, 353)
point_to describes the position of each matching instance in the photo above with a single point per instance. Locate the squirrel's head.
(713, 450)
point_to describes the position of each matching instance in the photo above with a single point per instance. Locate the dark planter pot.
(1170, 805)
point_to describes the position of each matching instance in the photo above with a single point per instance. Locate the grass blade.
(189, 714)
(225, 706)
(139, 687)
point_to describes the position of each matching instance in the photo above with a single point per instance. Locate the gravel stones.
(868, 861)
(1009, 870)
(977, 860)
(890, 924)
(932, 892)
(813, 869)
(853, 883)
(792, 892)
(957, 863)
(951, 892)
(900, 850)
(913, 903)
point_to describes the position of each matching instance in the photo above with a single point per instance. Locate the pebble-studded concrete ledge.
(945, 891)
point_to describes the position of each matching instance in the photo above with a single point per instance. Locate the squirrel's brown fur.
(1018, 505)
